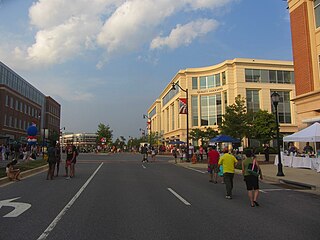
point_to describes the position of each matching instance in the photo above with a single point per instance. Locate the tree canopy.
(104, 131)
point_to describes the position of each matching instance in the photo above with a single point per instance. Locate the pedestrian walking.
(201, 151)
(251, 172)
(3, 152)
(69, 158)
(153, 154)
(73, 161)
(266, 152)
(174, 154)
(228, 161)
(58, 158)
(213, 159)
(51, 161)
(144, 152)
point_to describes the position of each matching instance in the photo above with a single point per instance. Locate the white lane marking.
(193, 169)
(45, 234)
(274, 190)
(179, 197)
(144, 166)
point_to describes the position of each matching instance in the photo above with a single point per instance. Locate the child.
(12, 174)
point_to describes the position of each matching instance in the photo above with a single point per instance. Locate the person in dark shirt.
(308, 149)
(51, 161)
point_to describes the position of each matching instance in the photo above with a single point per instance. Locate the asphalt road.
(118, 197)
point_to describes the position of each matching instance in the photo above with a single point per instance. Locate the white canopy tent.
(309, 134)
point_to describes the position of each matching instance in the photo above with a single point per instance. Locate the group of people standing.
(54, 159)
(145, 151)
(225, 165)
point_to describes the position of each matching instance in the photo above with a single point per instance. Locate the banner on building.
(183, 109)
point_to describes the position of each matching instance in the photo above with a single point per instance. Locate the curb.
(25, 174)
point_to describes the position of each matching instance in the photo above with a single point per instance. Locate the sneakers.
(67, 178)
(228, 197)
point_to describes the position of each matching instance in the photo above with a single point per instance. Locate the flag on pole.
(183, 109)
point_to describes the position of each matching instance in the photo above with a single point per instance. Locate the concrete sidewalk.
(305, 178)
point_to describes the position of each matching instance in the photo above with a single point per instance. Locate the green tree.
(104, 131)
(53, 137)
(262, 126)
(198, 134)
(120, 142)
(234, 122)
(210, 133)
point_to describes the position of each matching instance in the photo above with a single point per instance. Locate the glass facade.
(173, 116)
(317, 12)
(195, 116)
(14, 81)
(153, 112)
(210, 81)
(269, 76)
(224, 79)
(194, 83)
(253, 104)
(211, 113)
(170, 95)
(284, 109)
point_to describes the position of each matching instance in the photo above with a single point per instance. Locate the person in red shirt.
(213, 158)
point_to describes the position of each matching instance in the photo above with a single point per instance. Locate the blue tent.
(223, 139)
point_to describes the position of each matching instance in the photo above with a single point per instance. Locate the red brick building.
(22, 104)
(305, 29)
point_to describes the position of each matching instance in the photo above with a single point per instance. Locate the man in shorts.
(213, 158)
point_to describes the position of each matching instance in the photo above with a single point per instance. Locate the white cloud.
(208, 4)
(66, 29)
(134, 22)
(65, 41)
(185, 34)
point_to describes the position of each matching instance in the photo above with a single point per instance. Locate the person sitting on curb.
(12, 173)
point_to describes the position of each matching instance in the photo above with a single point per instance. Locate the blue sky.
(106, 61)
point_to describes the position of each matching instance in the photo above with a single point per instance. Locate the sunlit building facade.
(305, 29)
(83, 141)
(212, 88)
(22, 104)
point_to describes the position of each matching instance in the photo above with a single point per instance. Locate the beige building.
(212, 88)
(83, 141)
(305, 29)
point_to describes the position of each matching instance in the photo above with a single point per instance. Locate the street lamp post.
(275, 97)
(187, 113)
(149, 125)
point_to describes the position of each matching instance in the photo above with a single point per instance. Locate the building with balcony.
(212, 88)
